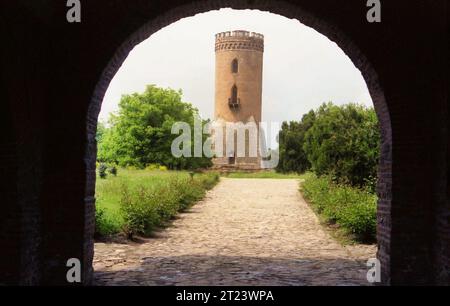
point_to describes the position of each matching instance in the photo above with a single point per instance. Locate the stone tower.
(238, 92)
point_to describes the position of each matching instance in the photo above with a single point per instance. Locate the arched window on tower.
(234, 94)
(234, 66)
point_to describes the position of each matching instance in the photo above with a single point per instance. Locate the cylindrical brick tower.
(239, 64)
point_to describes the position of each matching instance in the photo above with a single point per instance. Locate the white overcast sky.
(302, 68)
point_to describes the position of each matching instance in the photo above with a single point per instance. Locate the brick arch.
(320, 24)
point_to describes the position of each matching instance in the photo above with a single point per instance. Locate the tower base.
(237, 163)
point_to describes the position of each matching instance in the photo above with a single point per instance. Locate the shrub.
(343, 141)
(187, 191)
(113, 170)
(209, 180)
(361, 220)
(104, 226)
(102, 170)
(351, 208)
(139, 211)
(149, 207)
(152, 167)
(292, 156)
(167, 202)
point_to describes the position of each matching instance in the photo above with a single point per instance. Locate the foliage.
(140, 134)
(341, 141)
(208, 180)
(104, 225)
(351, 208)
(101, 129)
(113, 170)
(153, 206)
(138, 201)
(153, 167)
(140, 210)
(292, 157)
(344, 142)
(102, 168)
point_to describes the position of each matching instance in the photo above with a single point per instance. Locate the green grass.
(350, 211)
(126, 202)
(262, 174)
(108, 191)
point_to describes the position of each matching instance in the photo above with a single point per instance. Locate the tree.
(140, 134)
(101, 129)
(291, 138)
(344, 142)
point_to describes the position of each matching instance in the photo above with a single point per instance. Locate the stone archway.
(290, 11)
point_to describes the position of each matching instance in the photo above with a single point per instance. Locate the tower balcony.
(234, 104)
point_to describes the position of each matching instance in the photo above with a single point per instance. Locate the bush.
(167, 202)
(292, 156)
(152, 167)
(103, 225)
(139, 212)
(102, 170)
(113, 170)
(361, 220)
(344, 142)
(187, 191)
(150, 207)
(351, 208)
(209, 180)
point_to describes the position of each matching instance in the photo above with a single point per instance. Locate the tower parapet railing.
(234, 104)
(239, 33)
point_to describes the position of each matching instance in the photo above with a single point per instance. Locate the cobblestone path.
(245, 232)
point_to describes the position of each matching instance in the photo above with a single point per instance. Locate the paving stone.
(245, 232)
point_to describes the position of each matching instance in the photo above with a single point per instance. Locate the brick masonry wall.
(56, 74)
(248, 52)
